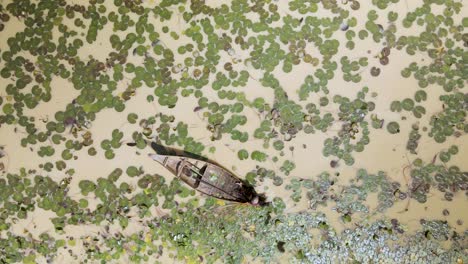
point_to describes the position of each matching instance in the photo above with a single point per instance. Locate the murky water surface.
(348, 116)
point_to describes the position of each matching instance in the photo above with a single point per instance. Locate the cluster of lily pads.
(448, 180)
(191, 231)
(178, 50)
(413, 139)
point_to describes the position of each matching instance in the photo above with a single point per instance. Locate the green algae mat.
(348, 116)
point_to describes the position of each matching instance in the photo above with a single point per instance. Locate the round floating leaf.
(439, 138)
(453, 150)
(278, 145)
(407, 104)
(92, 151)
(406, 73)
(258, 156)
(395, 106)
(87, 186)
(132, 171)
(420, 96)
(444, 156)
(109, 154)
(419, 111)
(83, 203)
(66, 154)
(393, 127)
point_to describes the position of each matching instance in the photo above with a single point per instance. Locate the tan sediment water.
(384, 153)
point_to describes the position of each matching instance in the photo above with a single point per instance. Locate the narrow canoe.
(208, 178)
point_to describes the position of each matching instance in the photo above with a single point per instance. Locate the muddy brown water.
(385, 152)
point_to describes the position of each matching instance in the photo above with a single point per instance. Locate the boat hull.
(207, 178)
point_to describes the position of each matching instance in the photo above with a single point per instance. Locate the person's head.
(258, 200)
(255, 200)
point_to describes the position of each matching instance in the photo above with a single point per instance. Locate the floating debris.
(344, 26)
(375, 71)
(384, 60)
(385, 52)
(334, 163)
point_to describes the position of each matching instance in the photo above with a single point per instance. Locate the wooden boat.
(209, 178)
